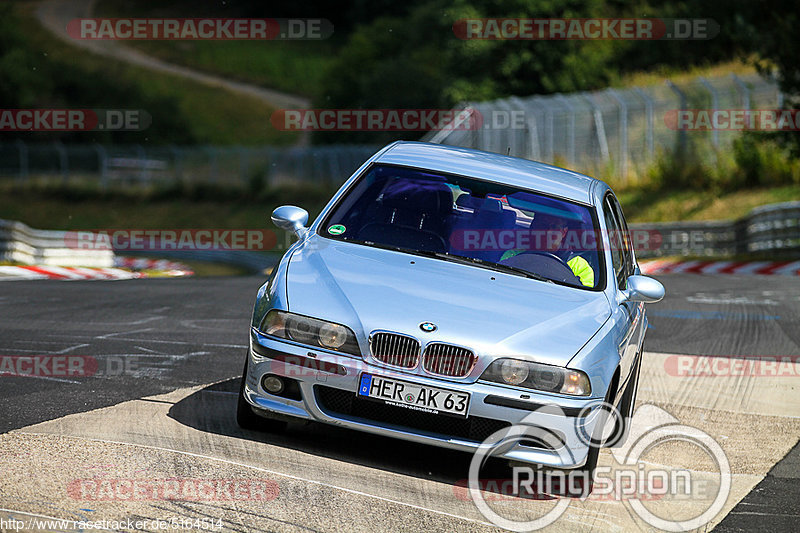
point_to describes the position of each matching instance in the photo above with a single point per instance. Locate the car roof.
(490, 166)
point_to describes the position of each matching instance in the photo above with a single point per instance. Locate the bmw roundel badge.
(427, 327)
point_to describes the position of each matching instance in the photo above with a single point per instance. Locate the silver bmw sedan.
(446, 294)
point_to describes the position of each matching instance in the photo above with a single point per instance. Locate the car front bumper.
(323, 375)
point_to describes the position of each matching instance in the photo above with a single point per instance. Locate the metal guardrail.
(774, 228)
(256, 262)
(768, 230)
(22, 244)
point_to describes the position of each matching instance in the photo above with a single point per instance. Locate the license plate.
(414, 396)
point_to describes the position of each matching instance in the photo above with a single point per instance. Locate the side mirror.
(291, 218)
(643, 289)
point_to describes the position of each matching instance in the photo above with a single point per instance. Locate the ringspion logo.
(632, 480)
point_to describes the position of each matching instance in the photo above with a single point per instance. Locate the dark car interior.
(415, 210)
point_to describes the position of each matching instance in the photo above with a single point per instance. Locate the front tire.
(247, 419)
(586, 472)
(627, 405)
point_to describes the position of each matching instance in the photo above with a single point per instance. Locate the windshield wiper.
(384, 246)
(488, 264)
(458, 259)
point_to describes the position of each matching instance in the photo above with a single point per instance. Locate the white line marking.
(107, 335)
(763, 514)
(50, 352)
(216, 345)
(24, 341)
(204, 344)
(71, 348)
(49, 378)
(266, 471)
(147, 350)
(130, 322)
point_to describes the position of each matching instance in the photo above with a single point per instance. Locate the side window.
(626, 237)
(615, 240)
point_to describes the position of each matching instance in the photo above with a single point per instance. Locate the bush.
(762, 160)
(754, 160)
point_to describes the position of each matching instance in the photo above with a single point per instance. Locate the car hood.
(490, 312)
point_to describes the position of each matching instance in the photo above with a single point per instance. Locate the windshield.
(462, 219)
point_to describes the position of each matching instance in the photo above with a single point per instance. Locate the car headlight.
(538, 376)
(514, 371)
(311, 331)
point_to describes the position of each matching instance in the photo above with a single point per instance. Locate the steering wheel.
(551, 255)
(546, 264)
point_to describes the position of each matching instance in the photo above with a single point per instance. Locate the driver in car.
(556, 229)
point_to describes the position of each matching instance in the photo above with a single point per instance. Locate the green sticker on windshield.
(336, 229)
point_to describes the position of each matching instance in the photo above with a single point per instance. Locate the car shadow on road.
(213, 410)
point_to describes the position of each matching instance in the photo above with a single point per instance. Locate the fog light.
(272, 384)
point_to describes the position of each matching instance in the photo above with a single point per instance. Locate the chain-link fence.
(610, 133)
(615, 132)
(141, 165)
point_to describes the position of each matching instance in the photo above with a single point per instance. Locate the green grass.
(210, 115)
(683, 75)
(63, 209)
(294, 67)
(669, 206)
(59, 208)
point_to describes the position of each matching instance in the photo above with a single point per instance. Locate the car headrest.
(420, 196)
(490, 205)
(468, 201)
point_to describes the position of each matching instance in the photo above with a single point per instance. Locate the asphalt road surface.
(162, 362)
